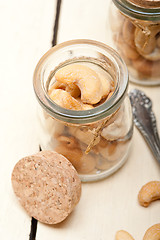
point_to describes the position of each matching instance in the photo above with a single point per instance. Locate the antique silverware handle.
(145, 120)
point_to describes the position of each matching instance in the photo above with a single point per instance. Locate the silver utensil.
(145, 120)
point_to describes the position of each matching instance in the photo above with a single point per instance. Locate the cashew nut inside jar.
(84, 112)
(135, 27)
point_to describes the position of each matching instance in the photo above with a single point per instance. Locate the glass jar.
(135, 26)
(96, 141)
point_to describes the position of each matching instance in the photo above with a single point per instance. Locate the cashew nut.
(87, 164)
(128, 33)
(114, 151)
(153, 233)
(69, 142)
(148, 193)
(123, 235)
(146, 42)
(85, 136)
(126, 50)
(109, 152)
(158, 42)
(85, 106)
(56, 85)
(110, 95)
(73, 156)
(85, 78)
(65, 100)
(129, 52)
(73, 90)
(146, 67)
(83, 163)
(116, 127)
(154, 56)
(106, 85)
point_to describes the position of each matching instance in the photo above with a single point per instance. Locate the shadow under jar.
(97, 140)
(135, 26)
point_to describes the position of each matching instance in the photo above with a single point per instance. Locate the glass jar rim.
(141, 13)
(82, 116)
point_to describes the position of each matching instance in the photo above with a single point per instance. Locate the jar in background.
(96, 141)
(135, 26)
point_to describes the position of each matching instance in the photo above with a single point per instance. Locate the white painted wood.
(26, 34)
(84, 20)
(105, 206)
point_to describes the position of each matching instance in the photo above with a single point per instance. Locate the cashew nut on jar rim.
(135, 27)
(93, 131)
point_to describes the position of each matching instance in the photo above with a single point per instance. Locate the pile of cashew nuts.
(91, 147)
(78, 87)
(148, 193)
(138, 42)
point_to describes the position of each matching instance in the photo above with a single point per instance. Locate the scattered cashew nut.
(153, 233)
(85, 78)
(148, 193)
(123, 235)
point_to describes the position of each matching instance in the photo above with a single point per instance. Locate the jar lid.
(146, 3)
(148, 10)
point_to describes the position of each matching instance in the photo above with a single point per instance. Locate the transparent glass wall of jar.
(96, 141)
(135, 27)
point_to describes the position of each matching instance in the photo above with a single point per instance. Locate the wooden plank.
(105, 206)
(84, 19)
(26, 33)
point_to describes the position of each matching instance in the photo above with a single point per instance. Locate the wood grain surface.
(106, 206)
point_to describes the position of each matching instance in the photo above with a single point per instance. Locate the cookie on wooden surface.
(47, 186)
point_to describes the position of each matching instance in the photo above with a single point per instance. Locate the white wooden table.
(26, 28)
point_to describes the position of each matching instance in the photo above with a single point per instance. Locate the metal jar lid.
(146, 3)
(148, 10)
